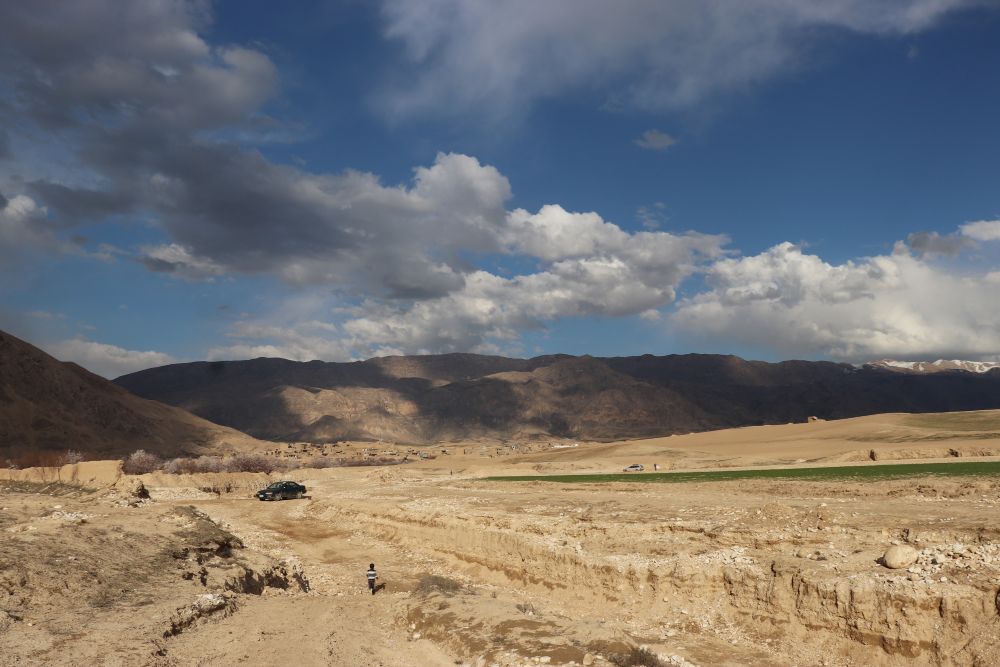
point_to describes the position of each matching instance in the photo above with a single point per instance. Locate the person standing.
(372, 576)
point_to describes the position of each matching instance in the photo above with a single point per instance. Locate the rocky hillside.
(440, 397)
(50, 406)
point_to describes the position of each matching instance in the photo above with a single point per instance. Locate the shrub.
(23, 457)
(252, 463)
(354, 463)
(208, 464)
(140, 462)
(179, 466)
(322, 462)
(249, 462)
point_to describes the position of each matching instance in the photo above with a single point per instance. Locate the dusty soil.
(475, 572)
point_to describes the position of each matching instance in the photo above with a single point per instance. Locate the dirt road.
(338, 622)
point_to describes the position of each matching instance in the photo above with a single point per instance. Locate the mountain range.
(451, 396)
(205, 407)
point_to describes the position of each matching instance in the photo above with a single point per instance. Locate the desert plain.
(102, 568)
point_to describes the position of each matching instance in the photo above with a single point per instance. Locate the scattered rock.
(210, 602)
(135, 488)
(589, 659)
(899, 556)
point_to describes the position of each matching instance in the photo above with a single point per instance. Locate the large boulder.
(899, 556)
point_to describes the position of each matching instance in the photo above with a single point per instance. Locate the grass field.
(865, 472)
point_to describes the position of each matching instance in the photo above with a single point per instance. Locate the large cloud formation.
(150, 107)
(498, 57)
(889, 305)
(148, 120)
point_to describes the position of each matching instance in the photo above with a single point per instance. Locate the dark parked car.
(281, 491)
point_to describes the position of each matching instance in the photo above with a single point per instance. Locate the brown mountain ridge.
(451, 396)
(51, 406)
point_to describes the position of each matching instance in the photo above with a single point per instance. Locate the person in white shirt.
(372, 576)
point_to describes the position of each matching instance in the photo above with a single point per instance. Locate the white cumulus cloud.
(109, 361)
(590, 268)
(982, 230)
(892, 305)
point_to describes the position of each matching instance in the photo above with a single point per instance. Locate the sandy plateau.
(477, 572)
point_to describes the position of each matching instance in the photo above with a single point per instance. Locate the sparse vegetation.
(17, 458)
(216, 489)
(181, 466)
(243, 463)
(353, 463)
(140, 462)
(833, 473)
(255, 463)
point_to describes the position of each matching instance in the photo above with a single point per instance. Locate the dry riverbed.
(751, 572)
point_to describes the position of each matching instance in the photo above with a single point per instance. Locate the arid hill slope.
(440, 397)
(48, 405)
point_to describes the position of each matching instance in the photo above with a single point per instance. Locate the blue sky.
(188, 180)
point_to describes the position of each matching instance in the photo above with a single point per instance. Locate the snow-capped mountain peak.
(938, 366)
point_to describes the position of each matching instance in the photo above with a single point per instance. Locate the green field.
(865, 472)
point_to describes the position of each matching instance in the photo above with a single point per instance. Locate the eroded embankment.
(805, 586)
(89, 474)
(96, 578)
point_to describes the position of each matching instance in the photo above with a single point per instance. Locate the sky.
(776, 179)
